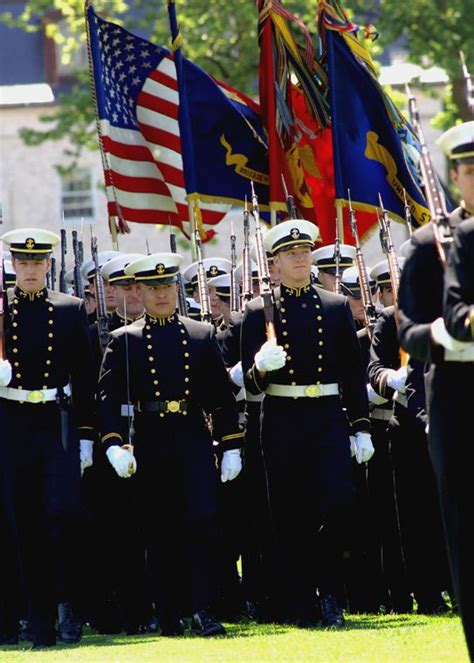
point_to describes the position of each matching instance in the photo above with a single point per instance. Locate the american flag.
(138, 105)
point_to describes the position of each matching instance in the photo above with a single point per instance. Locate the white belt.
(303, 391)
(240, 396)
(400, 398)
(460, 355)
(32, 396)
(126, 410)
(382, 414)
(253, 398)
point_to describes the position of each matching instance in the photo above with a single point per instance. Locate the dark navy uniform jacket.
(459, 296)
(169, 359)
(384, 352)
(317, 331)
(420, 297)
(48, 346)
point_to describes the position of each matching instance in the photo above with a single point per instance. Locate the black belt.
(163, 407)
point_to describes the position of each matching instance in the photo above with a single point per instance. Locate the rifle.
(247, 284)
(53, 273)
(407, 209)
(389, 250)
(182, 304)
(130, 408)
(62, 272)
(234, 296)
(203, 286)
(78, 282)
(101, 310)
(370, 316)
(337, 260)
(469, 86)
(2, 304)
(434, 197)
(290, 204)
(266, 292)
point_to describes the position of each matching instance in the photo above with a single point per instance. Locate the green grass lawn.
(394, 638)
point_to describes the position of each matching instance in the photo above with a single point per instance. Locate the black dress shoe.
(205, 624)
(332, 616)
(69, 628)
(172, 628)
(439, 607)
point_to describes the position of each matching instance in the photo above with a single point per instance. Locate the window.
(78, 196)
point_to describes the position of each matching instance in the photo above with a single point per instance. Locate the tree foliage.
(222, 38)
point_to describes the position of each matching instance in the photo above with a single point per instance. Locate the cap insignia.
(295, 233)
(30, 242)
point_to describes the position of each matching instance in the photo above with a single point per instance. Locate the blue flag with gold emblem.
(375, 150)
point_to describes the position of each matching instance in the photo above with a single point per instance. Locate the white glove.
(236, 374)
(441, 336)
(353, 445)
(364, 447)
(85, 454)
(270, 357)
(122, 460)
(5, 372)
(231, 465)
(374, 396)
(396, 379)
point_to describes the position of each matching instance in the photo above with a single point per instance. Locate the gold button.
(283, 310)
(50, 309)
(282, 299)
(320, 370)
(50, 348)
(50, 335)
(15, 301)
(148, 335)
(150, 359)
(288, 358)
(50, 322)
(153, 370)
(19, 387)
(155, 381)
(48, 362)
(15, 338)
(186, 392)
(15, 350)
(183, 331)
(185, 342)
(162, 414)
(46, 375)
(15, 324)
(283, 321)
(320, 343)
(147, 327)
(149, 347)
(45, 386)
(318, 306)
(15, 363)
(286, 346)
(320, 317)
(186, 368)
(18, 375)
(15, 311)
(186, 379)
(184, 413)
(291, 371)
(186, 354)
(318, 382)
(285, 333)
(320, 356)
(157, 393)
(293, 383)
(320, 330)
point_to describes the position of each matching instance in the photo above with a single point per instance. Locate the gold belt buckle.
(313, 390)
(36, 396)
(173, 406)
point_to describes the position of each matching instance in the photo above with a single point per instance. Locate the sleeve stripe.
(109, 435)
(234, 436)
(361, 419)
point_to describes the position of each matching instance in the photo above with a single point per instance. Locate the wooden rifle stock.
(266, 292)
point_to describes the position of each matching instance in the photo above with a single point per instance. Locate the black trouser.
(176, 485)
(308, 464)
(46, 494)
(452, 454)
(385, 521)
(418, 509)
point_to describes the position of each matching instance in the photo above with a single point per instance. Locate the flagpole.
(340, 220)
(192, 223)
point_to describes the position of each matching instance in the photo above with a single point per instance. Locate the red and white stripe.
(144, 172)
